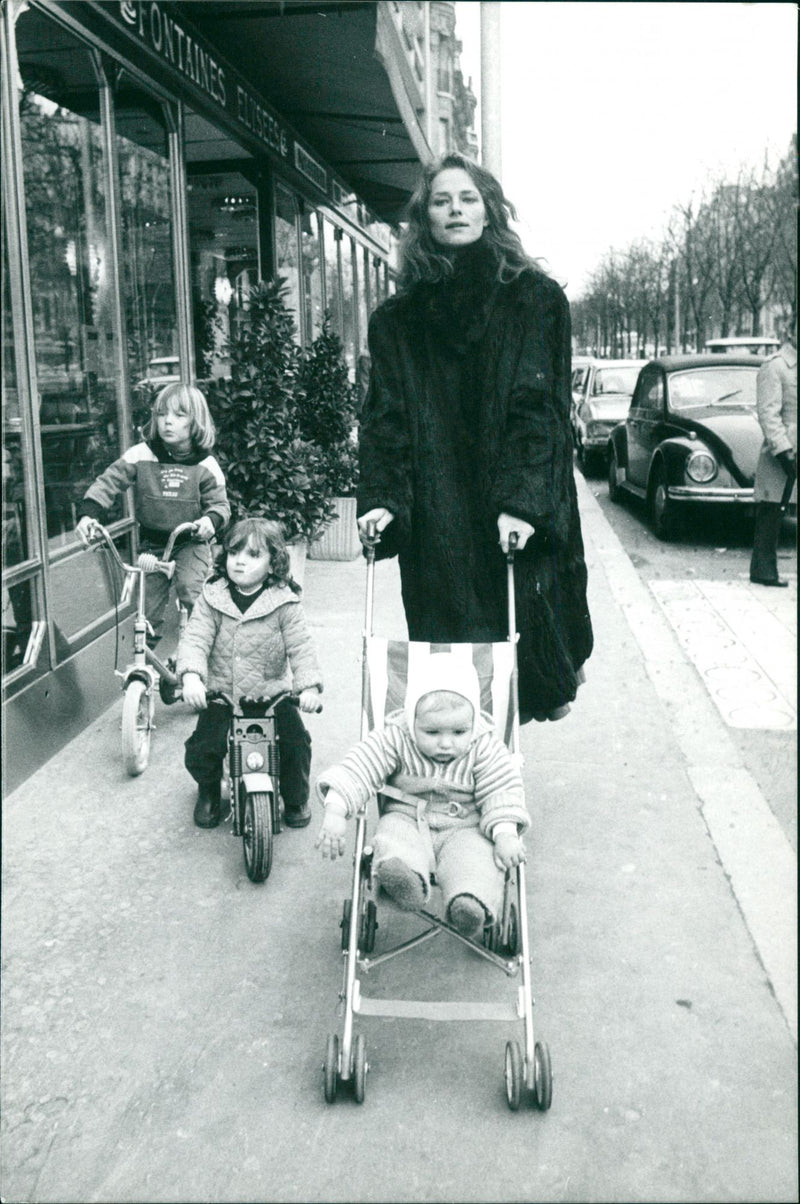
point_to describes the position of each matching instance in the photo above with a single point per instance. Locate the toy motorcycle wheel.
(330, 1067)
(137, 724)
(542, 1076)
(257, 835)
(513, 1075)
(360, 1068)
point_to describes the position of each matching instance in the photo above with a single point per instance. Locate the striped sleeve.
(119, 476)
(363, 771)
(499, 791)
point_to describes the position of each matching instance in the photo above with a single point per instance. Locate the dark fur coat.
(467, 416)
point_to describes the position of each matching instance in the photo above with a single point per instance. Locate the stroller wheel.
(347, 907)
(359, 1068)
(513, 1075)
(369, 922)
(330, 1068)
(542, 1076)
(511, 945)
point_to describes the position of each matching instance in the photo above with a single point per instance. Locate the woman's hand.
(381, 517)
(194, 692)
(334, 826)
(508, 850)
(506, 524)
(309, 701)
(204, 528)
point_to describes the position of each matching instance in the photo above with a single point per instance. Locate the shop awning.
(340, 75)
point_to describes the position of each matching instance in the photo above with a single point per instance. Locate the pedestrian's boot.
(207, 807)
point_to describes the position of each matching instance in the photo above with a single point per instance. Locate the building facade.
(147, 183)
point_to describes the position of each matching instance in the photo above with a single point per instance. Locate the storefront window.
(69, 263)
(287, 256)
(363, 286)
(333, 293)
(17, 599)
(223, 250)
(312, 273)
(349, 303)
(148, 272)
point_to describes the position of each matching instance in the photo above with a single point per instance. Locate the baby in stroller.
(456, 807)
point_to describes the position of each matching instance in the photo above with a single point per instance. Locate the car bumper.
(699, 493)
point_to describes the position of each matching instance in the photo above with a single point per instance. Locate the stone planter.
(297, 560)
(339, 540)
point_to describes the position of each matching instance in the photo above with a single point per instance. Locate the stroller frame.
(506, 945)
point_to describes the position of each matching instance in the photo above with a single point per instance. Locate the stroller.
(505, 945)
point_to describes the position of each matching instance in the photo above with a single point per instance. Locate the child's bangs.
(174, 405)
(253, 541)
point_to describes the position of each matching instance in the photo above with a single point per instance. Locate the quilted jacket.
(256, 654)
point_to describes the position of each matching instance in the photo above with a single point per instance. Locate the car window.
(615, 380)
(703, 387)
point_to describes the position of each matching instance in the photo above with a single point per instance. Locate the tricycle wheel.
(360, 1068)
(513, 1074)
(542, 1076)
(137, 724)
(257, 835)
(330, 1068)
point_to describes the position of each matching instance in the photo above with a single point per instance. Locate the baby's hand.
(331, 835)
(309, 701)
(509, 850)
(194, 692)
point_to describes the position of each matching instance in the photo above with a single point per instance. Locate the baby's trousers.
(461, 857)
(192, 567)
(208, 744)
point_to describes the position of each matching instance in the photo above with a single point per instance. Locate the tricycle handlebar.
(154, 564)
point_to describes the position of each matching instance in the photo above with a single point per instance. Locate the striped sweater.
(486, 774)
(167, 490)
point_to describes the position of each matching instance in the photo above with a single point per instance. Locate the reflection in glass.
(348, 304)
(287, 258)
(333, 297)
(68, 246)
(312, 273)
(362, 264)
(148, 274)
(223, 241)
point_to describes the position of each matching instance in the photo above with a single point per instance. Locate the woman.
(465, 437)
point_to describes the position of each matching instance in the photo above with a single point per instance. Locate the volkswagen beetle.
(691, 436)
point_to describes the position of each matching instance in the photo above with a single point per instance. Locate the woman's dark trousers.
(208, 744)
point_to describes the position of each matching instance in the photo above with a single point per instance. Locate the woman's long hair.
(425, 260)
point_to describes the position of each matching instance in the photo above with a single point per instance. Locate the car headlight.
(254, 760)
(701, 467)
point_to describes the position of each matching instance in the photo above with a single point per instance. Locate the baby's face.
(445, 732)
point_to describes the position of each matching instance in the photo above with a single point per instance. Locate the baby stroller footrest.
(424, 1009)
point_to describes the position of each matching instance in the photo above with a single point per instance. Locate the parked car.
(602, 403)
(580, 369)
(163, 370)
(691, 436)
(741, 344)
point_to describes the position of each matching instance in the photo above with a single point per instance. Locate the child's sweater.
(486, 775)
(255, 654)
(167, 490)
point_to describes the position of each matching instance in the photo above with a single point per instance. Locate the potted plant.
(327, 408)
(270, 467)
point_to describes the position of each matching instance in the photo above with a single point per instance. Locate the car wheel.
(662, 510)
(614, 491)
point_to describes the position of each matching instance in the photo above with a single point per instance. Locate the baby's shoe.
(467, 915)
(403, 885)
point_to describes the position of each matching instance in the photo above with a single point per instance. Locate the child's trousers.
(461, 857)
(208, 744)
(192, 567)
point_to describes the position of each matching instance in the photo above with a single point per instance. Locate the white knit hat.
(442, 671)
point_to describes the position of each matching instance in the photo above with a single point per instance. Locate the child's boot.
(207, 807)
(402, 884)
(467, 915)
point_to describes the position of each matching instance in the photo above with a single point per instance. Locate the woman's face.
(456, 211)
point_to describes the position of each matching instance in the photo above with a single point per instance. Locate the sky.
(613, 112)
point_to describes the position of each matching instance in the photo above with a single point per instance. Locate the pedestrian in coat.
(465, 437)
(776, 402)
(248, 637)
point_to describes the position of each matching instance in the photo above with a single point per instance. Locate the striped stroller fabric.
(389, 663)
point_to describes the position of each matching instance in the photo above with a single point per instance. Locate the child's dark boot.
(207, 807)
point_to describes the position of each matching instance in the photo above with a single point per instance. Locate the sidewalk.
(164, 1020)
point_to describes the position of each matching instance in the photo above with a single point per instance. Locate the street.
(165, 1020)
